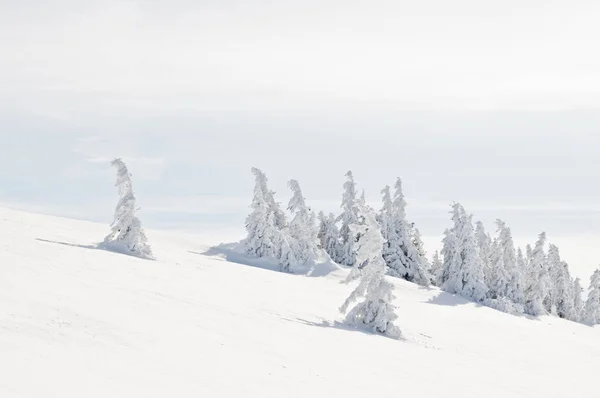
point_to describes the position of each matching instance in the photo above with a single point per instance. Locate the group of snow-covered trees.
(486, 269)
(271, 235)
(491, 271)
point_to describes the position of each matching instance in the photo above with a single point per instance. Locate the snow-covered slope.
(80, 322)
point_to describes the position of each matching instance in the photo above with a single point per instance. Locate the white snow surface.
(81, 322)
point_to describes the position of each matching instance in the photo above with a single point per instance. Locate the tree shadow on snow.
(56, 242)
(452, 300)
(92, 247)
(233, 252)
(339, 326)
(449, 300)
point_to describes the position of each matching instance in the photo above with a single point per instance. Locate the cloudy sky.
(493, 104)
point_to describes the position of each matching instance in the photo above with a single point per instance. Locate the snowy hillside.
(80, 322)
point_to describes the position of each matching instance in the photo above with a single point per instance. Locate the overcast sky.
(493, 104)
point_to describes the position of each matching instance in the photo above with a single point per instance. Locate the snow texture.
(80, 322)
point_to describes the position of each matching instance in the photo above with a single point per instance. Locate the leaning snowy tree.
(376, 311)
(263, 238)
(127, 235)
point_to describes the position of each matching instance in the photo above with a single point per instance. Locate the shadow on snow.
(233, 252)
(340, 326)
(100, 247)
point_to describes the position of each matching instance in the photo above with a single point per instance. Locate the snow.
(81, 322)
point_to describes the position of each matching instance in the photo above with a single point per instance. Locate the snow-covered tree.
(417, 242)
(577, 301)
(528, 255)
(329, 235)
(498, 277)
(536, 278)
(376, 311)
(264, 238)
(592, 305)
(349, 216)
(521, 262)
(554, 265)
(436, 270)
(565, 294)
(401, 254)
(514, 287)
(302, 230)
(463, 268)
(285, 254)
(322, 230)
(484, 245)
(451, 256)
(127, 235)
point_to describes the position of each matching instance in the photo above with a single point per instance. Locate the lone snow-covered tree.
(302, 229)
(592, 305)
(463, 268)
(376, 311)
(265, 223)
(349, 216)
(400, 250)
(127, 235)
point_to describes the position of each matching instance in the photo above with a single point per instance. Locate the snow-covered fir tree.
(302, 229)
(376, 311)
(402, 256)
(263, 238)
(536, 278)
(484, 245)
(554, 265)
(349, 216)
(514, 287)
(329, 235)
(528, 255)
(521, 262)
(127, 235)
(564, 294)
(285, 254)
(498, 277)
(436, 269)
(591, 312)
(577, 301)
(417, 242)
(322, 229)
(450, 255)
(463, 268)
